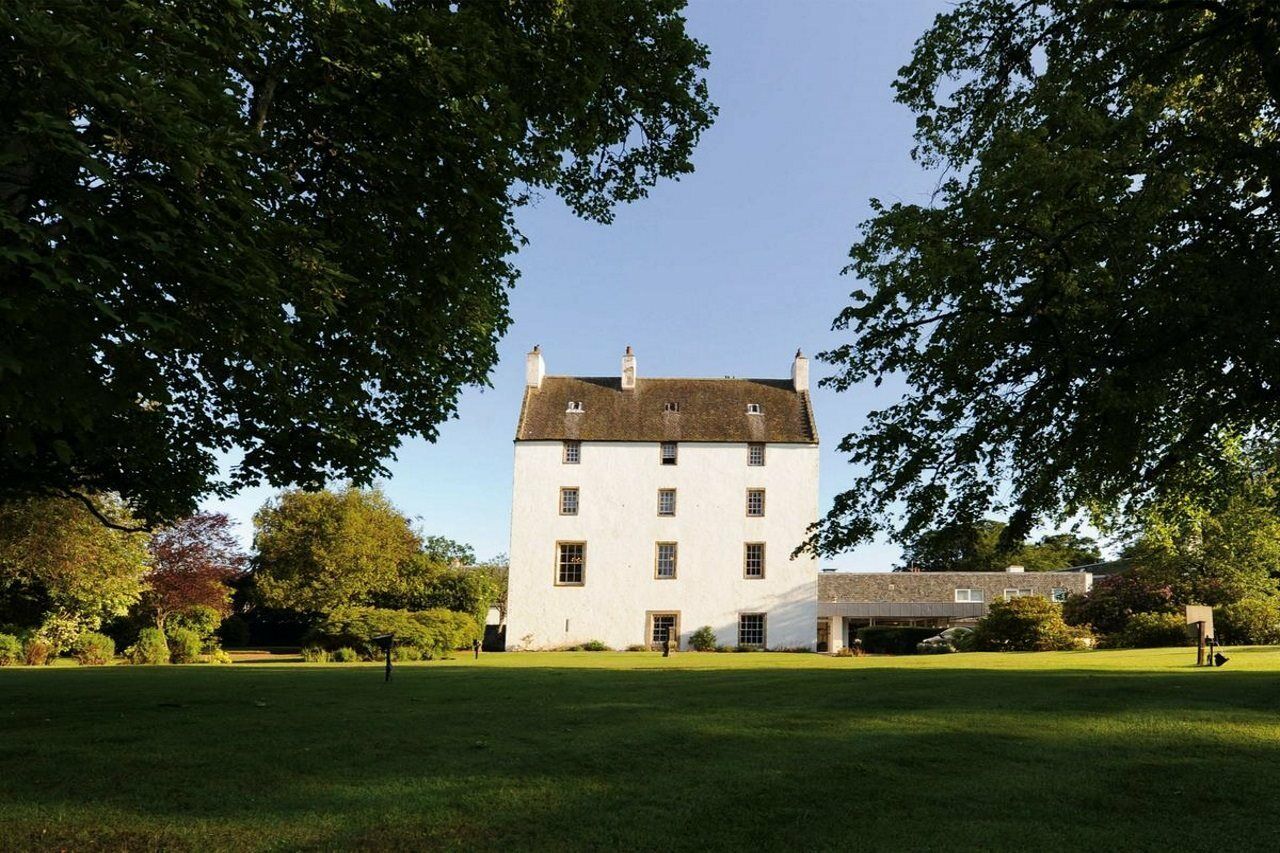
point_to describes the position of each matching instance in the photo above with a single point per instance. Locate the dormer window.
(574, 406)
(671, 407)
(754, 409)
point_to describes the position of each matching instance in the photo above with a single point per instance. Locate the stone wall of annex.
(840, 587)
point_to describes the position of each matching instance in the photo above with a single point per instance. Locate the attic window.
(754, 409)
(574, 406)
(671, 407)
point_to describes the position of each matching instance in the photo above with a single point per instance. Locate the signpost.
(384, 642)
(1201, 616)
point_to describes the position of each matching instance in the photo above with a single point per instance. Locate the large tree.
(193, 563)
(58, 560)
(318, 551)
(1088, 306)
(286, 226)
(979, 547)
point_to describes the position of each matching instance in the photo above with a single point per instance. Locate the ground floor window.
(751, 629)
(663, 626)
(1058, 594)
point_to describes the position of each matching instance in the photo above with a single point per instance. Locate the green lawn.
(1080, 750)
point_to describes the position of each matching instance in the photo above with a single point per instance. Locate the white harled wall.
(618, 486)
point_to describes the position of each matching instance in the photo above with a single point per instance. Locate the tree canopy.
(285, 227)
(1085, 311)
(193, 564)
(980, 547)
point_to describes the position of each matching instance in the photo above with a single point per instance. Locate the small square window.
(572, 452)
(753, 560)
(571, 563)
(754, 409)
(666, 501)
(755, 453)
(1058, 594)
(568, 501)
(751, 630)
(755, 503)
(575, 406)
(671, 407)
(665, 566)
(668, 453)
(972, 596)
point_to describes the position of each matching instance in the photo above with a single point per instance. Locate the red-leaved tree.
(193, 563)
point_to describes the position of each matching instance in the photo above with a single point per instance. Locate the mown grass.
(1083, 751)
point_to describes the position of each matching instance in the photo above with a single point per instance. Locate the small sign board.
(1201, 613)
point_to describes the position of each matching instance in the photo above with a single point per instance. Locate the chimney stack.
(800, 372)
(534, 368)
(628, 371)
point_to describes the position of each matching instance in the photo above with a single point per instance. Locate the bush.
(151, 648)
(403, 653)
(94, 649)
(703, 639)
(60, 631)
(185, 645)
(434, 633)
(1152, 630)
(200, 618)
(345, 655)
(234, 632)
(314, 654)
(10, 650)
(893, 640)
(217, 656)
(1248, 622)
(1028, 624)
(1114, 598)
(594, 646)
(37, 651)
(637, 647)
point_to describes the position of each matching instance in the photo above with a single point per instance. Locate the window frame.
(662, 452)
(969, 599)
(649, 618)
(1055, 592)
(568, 445)
(764, 630)
(575, 407)
(577, 499)
(582, 569)
(752, 447)
(657, 561)
(671, 407)
(662, 491)
(755, 409)
(1019, 592)
(751, 491)
(746, 560)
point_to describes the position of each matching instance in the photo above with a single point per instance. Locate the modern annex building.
(647, 508)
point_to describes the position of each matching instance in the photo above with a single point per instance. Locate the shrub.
(200, 618)
(1028, 624)
(37, 651)
(217, 656)
(594, 646)
(185, 645)
(94, 649)
(637, 647)
(10, 650)
(314, 654)
(893, 640)
(703, 639)
(1113, 599)
(234, 631)
(1152, 630)
(722, 649)
(434, 633)
(403, 653)
(345, 655)
(151, 648)
(1250, 621)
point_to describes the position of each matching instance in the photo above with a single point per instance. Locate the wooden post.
(1200, 630)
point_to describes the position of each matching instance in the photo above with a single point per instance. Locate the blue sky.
(725, 272)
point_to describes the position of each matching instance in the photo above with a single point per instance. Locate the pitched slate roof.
(710, 410)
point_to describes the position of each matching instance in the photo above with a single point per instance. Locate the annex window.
(754, 409)
(569, 501)
(755, 453)
(751, 630)
(571, 563)
(755, 503)
(665, 563)
(572, 452)
(666, 501)
(668, 453)
(671, 407)
(574, 406)
(973, 596)
(1016, 593)
(753, 560)
(1058, 594)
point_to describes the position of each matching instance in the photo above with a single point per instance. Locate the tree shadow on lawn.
(545, 757)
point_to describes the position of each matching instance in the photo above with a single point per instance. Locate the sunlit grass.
(1093, 750)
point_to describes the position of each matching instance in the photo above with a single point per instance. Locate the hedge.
(432, 632)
